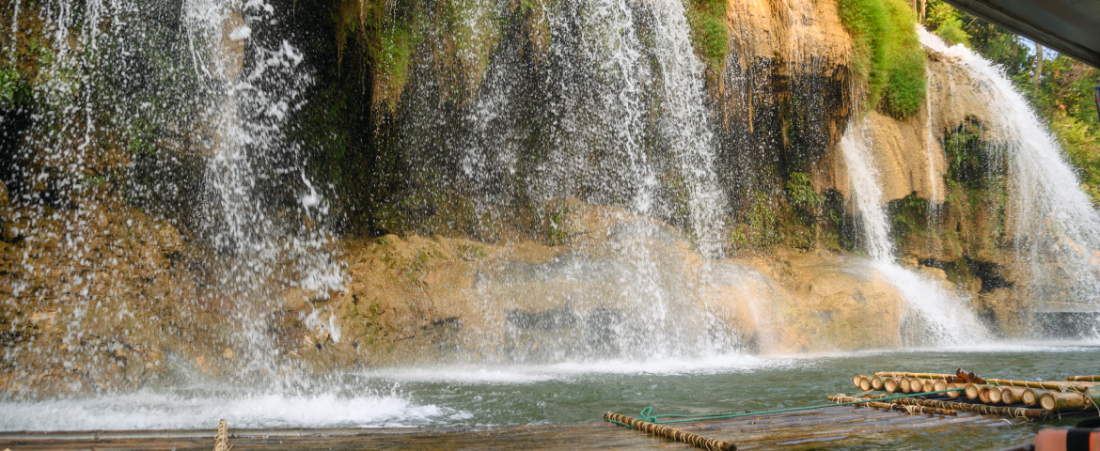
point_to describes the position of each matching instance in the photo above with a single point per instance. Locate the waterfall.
(616, 114)
(1056, 230)
(250, 88)
(940, 316)
(133, 96)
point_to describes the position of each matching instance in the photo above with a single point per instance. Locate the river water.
(561, 393)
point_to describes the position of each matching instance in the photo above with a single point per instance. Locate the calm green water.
(564, 393)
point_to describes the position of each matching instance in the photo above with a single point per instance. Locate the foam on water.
(527, 374)
(155, 410)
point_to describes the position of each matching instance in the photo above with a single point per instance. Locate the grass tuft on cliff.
(709, 33)
(886, 54)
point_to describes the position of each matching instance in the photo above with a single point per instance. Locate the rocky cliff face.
(480, 220)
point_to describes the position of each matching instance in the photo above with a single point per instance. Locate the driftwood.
(696, 440)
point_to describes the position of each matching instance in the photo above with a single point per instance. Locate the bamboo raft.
(832, 426)
(938, 403)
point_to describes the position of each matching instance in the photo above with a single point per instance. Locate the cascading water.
(245, 105)
(1056, 229)
(941, 316)
(145, 109)
(625, 123)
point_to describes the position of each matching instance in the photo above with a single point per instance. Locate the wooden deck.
(833, 426)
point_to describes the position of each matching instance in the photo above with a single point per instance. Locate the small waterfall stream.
(942, 317)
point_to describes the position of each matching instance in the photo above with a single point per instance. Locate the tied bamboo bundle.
(943, 377)
(910, 409)
(696, 440)
(1045, 385)
(1017, 412)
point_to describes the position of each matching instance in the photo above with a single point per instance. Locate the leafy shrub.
(709, 33)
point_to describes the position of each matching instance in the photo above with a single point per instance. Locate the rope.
(647, 416)
(221, 440)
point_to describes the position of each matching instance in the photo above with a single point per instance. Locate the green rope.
(646, 414)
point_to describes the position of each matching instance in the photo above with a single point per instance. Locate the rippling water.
(562, 393)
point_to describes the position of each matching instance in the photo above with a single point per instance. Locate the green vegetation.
(946, 22)
(886, 54)
(709, 33)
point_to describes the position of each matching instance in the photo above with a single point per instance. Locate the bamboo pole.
(876, 383)
(1018, 412)
(905, 385)
(927, 385)
(1030, 396)
(956, 394)
(971, 391)
(916, 384)
(939, 386)
(917, 375)
(983, 394)
(1052, 401)
(221, 440)
(864, 383)
(856, 379)
(891, 384)
(696, 440)
(995, 394)
(910, 409)
(1083, 378)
